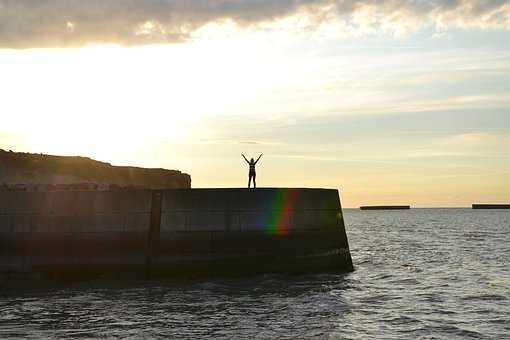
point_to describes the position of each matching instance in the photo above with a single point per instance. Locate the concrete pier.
(170, 233)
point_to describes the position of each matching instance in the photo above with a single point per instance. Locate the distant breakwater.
(170, 233)
(491, 206)
(386, 207)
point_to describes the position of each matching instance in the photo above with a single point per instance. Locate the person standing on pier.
(252, 173)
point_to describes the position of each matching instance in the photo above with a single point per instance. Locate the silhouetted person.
(252, 173)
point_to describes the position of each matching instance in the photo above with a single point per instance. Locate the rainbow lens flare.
(280, 215)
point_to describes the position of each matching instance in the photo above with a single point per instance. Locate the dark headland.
(491, 206)
(35, 172)
(385, 207)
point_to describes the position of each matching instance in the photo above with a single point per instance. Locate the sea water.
(420, 273)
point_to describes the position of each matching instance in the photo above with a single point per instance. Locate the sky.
(391, 102)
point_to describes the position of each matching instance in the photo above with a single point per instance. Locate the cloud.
(249, 142)
(478, 138)
(69, 23)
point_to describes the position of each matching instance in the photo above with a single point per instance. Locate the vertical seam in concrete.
(28, 250)
(153, 233)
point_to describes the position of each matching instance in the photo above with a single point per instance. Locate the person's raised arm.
(258, 159)
(245, 159)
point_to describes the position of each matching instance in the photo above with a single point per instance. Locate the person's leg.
(249, 181)
(254, 183)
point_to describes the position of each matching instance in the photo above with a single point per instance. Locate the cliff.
(26, 169)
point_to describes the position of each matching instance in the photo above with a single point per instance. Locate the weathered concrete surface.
(188, 232)
(73, 234)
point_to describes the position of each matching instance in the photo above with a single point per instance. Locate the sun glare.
(99, 100)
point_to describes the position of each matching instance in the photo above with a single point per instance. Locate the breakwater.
(491, 206)
(170, 233)
(386, 207)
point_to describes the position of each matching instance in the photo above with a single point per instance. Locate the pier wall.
(182, 232)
